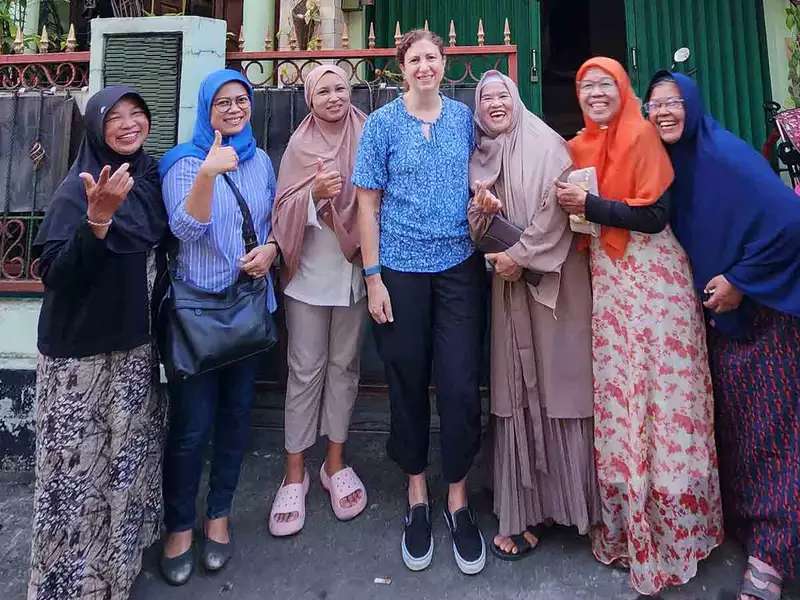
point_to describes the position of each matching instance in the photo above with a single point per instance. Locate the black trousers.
(438, 321)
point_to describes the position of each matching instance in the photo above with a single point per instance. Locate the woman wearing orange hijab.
(654, 428)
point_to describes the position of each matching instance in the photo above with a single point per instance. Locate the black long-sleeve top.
(652, 218)
(95, 301)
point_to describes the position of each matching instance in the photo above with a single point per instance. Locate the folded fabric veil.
(527, 184)
(335, 144)
(141, 221)
(632, 165)
(203, 137)
(733, 214)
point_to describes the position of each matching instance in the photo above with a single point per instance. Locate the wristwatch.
(373, 270)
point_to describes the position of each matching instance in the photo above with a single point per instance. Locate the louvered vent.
(152, 64)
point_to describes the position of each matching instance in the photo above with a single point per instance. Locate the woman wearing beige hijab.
(314, 223)
(541, 363)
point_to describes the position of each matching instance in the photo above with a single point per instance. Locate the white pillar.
(31, 25)
(257, 19)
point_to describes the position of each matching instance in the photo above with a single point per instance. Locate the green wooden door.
(523, 17)
(727, 40)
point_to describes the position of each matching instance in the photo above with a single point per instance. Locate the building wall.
(18, 319)
(782, 44)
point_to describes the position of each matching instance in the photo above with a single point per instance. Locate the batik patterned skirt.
(100, 424)
(654, 415)
(757, 392)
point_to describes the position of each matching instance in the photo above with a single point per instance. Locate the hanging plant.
(11, 18)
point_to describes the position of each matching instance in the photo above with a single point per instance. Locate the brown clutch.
(499, 237)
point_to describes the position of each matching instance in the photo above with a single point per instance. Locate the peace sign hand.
(220, 159)
(107, 194)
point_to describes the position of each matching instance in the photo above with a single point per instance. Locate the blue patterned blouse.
(425, 185)
(209, 253)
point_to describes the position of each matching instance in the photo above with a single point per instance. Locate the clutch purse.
(499, 237)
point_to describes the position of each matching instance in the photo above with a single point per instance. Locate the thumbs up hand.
(220, 159)
(326, 184)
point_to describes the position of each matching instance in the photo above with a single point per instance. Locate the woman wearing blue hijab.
(205, 218)
(740, 226)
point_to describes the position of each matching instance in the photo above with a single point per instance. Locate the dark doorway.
(573, 31)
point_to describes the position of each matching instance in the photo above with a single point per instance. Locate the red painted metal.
(44, 59)
(21, 286)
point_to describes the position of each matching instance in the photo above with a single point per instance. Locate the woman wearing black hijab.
(99, 416)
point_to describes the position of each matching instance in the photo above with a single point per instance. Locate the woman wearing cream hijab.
(541, 363)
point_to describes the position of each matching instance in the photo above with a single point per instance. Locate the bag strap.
(248, 229)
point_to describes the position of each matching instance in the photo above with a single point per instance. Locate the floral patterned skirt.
(100, 424)
(654, 415)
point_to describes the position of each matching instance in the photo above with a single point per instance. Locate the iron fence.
(30, 157)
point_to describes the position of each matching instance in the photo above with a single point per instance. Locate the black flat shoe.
(215, 554)
(178, 570)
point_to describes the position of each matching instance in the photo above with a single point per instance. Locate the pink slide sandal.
(289, 498)
(342, 484)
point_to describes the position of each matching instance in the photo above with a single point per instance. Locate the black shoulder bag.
(200, 330)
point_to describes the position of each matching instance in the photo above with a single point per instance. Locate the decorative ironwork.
(371, 67)
(69, 70)
(374, 66)
(72, 40)
(19, 43)
(18, 269)
(44, 41)
(37, 154)
(17, 265)
(398, 34)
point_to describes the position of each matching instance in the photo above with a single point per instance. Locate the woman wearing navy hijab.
(205, 218)
(740, 226)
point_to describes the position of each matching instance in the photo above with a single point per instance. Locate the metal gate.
(276, 114)
(36, 147)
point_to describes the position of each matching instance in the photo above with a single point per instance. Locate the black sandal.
(522, 545)
(750, 589)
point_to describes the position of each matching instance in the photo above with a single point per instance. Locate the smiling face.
(496, 107)
(423, 66)
(126, 126)
(230, 110)
(331, 98)
(666, 111)
(598, 96)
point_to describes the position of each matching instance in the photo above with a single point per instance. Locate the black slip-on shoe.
(469, 547)
(216, 554)
(177, 570)
(417, 543)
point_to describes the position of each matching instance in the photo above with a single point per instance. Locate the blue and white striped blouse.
(209, 252)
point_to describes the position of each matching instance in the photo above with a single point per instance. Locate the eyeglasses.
(224, 105)
(671, 104)
(606, 86)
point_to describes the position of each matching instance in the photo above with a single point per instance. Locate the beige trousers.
(324, 357)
